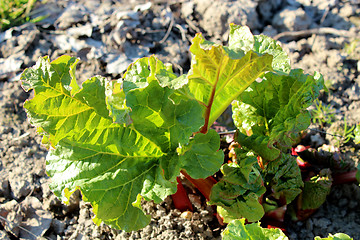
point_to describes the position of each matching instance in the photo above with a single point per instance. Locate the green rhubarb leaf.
(145, 70)
(238, 230)
(276, 111)
(157, 188)
(219, 74)
(111, 167)
(225, 215)
(202, 157)
(357, 134)
(259, 144)
(283, 176)
(59, 106)
(316, 190)
(240, 38)
(239, 190)
(337, 236)
(97, 148)
(158, 110)
(281, 61)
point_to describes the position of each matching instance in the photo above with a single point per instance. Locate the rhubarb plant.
(238, 230)
(126, 140)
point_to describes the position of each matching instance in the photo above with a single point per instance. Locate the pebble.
(353, 204)
(4, 184)
(58, 226)
(21, 183)
(322, 222)
(186, 215)
(291, 19)
(12, 212)
(343, 202)
(309, 224)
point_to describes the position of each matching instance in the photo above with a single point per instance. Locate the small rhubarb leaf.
(259, 144)
(240, 38)
(239, 190)
(316, 190)
(202, 157)
(59, 106)
(337, 236)
(283, 176)
(276, 109)
(219, 74)
(157, 188)
(357, 134)
(238, 230)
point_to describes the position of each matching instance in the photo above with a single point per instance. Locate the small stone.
(36, 220)
(96, 233)
(4, 184)
(269, 31)
(353, 204)
(11, 211)
(343, 202)
(21, 183)
(186, 215)
(84, 215)
(73, 14)
(322, 223)
(309, 224)
(291, 19)
(58, 226)
(317, 140)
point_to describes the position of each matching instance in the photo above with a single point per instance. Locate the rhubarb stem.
(181, 199)
(347, 177)
(203, 185)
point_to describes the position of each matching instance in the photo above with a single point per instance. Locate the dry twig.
(317, 31)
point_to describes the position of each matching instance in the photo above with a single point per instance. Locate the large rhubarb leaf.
(60, 107)
(276, 111)
(238, 230)
(112, 163)
(239, 190)
(110, 167)
(219, 74)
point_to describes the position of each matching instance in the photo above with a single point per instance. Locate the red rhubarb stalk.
(348, 177)
(181, 199)
(203, 185)
(204, 129)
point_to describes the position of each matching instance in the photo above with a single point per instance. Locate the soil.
(107, 36)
